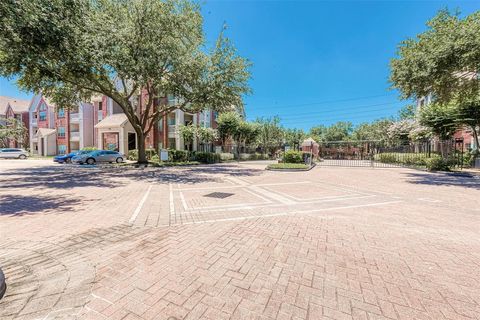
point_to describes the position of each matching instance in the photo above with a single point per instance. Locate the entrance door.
(132, 143)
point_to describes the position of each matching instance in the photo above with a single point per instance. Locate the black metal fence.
(381, 154)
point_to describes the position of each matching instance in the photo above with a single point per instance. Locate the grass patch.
(288, 166)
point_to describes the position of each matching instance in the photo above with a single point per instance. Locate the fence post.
(372, 155)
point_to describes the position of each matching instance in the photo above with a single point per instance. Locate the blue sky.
(317, 62)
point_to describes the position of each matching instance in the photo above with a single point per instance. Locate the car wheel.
(90, 161)
(119, 160)
(22, 156)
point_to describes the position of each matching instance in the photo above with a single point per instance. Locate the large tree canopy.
(72, 49)
(443, 61)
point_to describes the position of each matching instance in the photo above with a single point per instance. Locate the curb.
(292, 170)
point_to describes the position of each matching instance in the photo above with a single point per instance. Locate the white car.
(13, 153)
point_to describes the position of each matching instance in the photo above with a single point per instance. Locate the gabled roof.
(17, 105)
(113, 121)
(308, 142)
(43, 132)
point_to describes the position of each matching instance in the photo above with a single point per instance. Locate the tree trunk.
(475, 136)
(142, 156)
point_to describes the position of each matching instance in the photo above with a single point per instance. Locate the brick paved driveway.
(236, 242)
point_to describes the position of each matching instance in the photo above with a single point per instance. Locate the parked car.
(67, 158)
(99, 156)
(13, 153)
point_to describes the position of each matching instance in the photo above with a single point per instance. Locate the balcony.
(172, 131)
(75, 136)
(74, 117)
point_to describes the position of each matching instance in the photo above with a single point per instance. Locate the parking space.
(233, 241)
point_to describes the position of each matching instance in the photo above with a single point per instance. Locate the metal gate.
(384, 155)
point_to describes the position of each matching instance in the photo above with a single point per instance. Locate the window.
(61, 113)
(160, 124)
(62, 149)
(171, 119)
(100, 105)
(61, 132)
(43, 116)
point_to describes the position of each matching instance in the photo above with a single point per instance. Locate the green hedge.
(288, 166)
(207, 157)
(178, 155)
(291, 156)
(418, 159)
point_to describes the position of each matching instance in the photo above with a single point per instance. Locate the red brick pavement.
(410, 249)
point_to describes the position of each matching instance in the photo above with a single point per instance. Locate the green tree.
(407, 112)
(227, 125)
(270, 134)
(374, 131)
(294, 137)
(339, 131)
(207, 136)
(71, 50)
(441, 118)
(12, 129)
(318, 133)
(246, 134)
(443, 63)
(188, 133)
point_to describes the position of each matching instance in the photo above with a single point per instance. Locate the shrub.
(178, 155)
(151, 153)
(226, 156)
(417, 159)
(207, 157)
(437, 164)
(89, 149)
(155, 158)
(245, 156)
(132, 154)
(293, 157)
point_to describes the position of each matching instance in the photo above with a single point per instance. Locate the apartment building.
(12, 108)
(56, 130)
(114, 131)
(463, 135)
(102, 124)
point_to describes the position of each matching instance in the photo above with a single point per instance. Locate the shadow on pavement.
(70, 177)
(465, 180)
(19, 205)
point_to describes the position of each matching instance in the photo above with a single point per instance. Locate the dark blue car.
(67, 158)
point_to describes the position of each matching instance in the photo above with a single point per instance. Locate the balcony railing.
(74, 117)
(172, 128)
(75, 135)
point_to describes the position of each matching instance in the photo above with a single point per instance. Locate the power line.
(322, 102)
(342, 109)
(341, 118)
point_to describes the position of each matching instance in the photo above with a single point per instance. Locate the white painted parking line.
(349, 207)
(429, 200)
(271, 195)
(172, 205)
(140, 206)
(290, 213)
